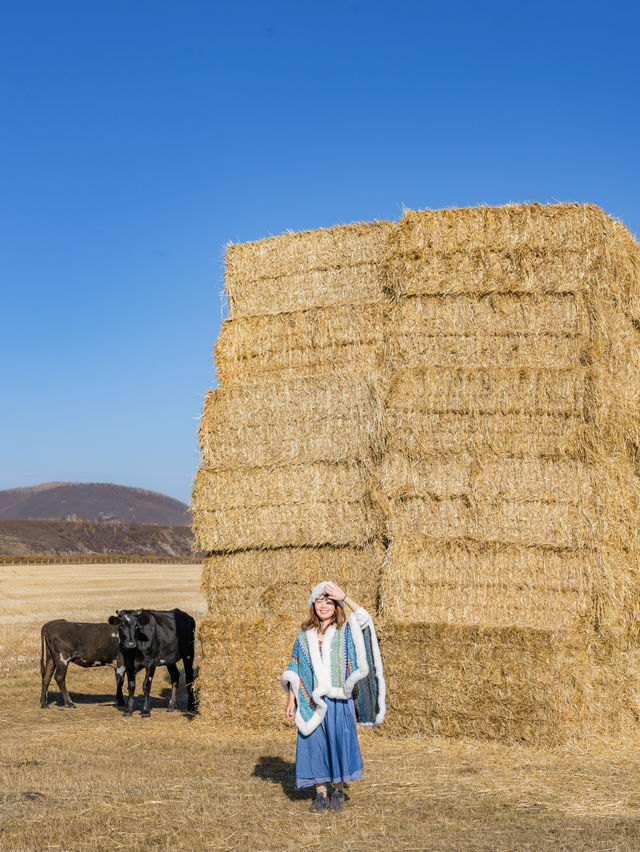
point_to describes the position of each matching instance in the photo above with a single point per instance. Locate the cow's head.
(133, 627)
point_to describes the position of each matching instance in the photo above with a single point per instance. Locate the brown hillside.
(51, 538)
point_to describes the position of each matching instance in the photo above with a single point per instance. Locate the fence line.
(100, 558)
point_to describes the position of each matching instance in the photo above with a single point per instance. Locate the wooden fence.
(91, 558)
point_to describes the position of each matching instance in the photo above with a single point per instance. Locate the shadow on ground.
(158, 702)
(279, 771)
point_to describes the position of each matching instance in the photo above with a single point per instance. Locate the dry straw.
(296, 271)
(254, 584)
(471, 582)
(301, 343)
(485, 420)
(499, 329)
(299, 505)
(332, 417)
(509, 682)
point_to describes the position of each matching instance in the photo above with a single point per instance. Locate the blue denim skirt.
(332, 751)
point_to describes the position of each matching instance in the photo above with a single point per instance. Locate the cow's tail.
(42, 644)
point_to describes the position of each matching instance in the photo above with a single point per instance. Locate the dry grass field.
(86, 779)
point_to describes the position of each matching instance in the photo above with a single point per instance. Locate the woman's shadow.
(282, 772)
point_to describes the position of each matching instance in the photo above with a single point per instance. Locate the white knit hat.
(319, 590)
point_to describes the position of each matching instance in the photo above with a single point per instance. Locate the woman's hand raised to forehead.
(334, 591)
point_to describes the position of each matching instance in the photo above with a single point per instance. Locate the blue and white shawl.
(348, 665)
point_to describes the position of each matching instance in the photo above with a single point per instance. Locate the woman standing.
(335, 660)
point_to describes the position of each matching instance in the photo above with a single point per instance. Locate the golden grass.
(89, 780)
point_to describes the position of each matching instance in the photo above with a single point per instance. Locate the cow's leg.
(146, 689)
(119, 681)
(174, 674)
(188, 679)
(60, 676)
(47, 672)
(131, 684)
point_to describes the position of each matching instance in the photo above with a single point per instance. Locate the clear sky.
(139, 137)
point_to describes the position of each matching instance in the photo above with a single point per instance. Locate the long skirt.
(332, 751)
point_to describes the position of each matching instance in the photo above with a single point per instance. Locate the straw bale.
(514, 248)
(527, 522)
(533, 479)
(503, 350)
(295, 271)
(239, 679)
(488, 270)
(561, 314)
(479, 477)
(297, 505)
(500, 329)
(612, 400)
(426, 434)
(511, 683)
(488, 391)
(262, 583)
(332, 418)
(490, 584)
(304, 342)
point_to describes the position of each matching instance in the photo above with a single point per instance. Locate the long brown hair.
(338, 618)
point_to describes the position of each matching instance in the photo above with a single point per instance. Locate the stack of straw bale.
(443, 415)
(290, 444)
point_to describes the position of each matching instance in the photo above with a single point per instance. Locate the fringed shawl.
(347, 666)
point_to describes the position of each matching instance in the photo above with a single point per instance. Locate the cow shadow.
(55, 699)
(157, 702)
(279, 771)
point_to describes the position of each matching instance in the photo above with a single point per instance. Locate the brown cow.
(86, 645)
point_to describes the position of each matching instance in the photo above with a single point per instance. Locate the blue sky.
(140, 137)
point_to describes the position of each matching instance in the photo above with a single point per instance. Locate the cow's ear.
(113, 619)
(144, 618)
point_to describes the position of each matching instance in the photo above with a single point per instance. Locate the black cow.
(150, 638)
(63, 642)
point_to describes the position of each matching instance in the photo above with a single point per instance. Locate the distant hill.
(51, 538)
(93, 501)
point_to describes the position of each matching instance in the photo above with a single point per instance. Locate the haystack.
(442, 415)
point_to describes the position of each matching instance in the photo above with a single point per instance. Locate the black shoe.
(319, 804)
(336, 803)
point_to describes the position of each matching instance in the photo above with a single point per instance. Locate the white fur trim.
(361, 655)
(311, 724)
(382, 687)
(363, 618)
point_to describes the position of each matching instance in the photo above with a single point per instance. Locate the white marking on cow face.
(126, 618)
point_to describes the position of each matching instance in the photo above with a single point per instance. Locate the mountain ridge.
(92, 501)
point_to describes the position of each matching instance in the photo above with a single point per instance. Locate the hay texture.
(443, 415)
(294, 506)
(277, 347)
(297, 271)
(257, 584)
(328, 418)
